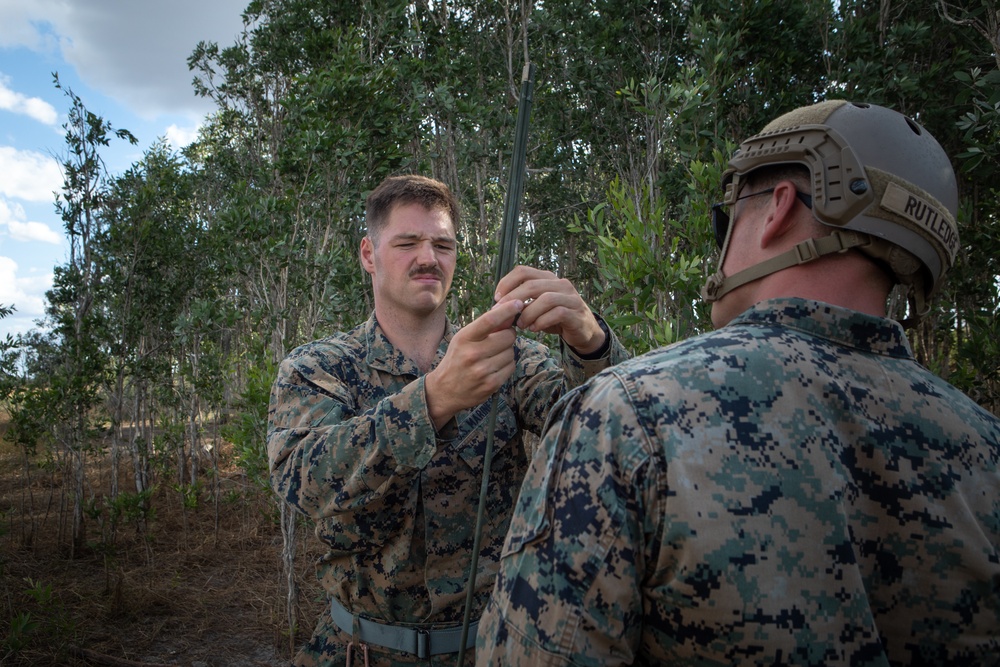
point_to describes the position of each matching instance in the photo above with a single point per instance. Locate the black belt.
(421, 643)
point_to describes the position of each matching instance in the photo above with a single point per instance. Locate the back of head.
(873, 171)
(407, 189)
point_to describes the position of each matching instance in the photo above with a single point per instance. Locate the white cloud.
(10, 212)
(25, 230)
(135, 51)
(32, 107)
(29, 175)
(33, 231)
(16, 23)
(179, 137)
(27, 295)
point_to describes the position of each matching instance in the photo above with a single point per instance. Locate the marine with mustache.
(378, 434)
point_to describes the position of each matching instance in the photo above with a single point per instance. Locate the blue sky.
(127, 61)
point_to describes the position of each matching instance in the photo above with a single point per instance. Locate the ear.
(367, 254)
(781, 215)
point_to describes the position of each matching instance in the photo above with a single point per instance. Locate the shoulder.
(327, 354)
(937, 404)
(690, 385)
(693, 357)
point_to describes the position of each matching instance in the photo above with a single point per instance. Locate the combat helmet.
(877, 177)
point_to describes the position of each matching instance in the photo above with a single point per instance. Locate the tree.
(74, 310)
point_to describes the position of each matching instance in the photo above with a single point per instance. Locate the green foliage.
(980, 124)
(27, 425)
(649, 281)
(8, 355)
(19, 634)
(190, 494)
(135, 508)
(248, 432)
(167, 442)
(40, 622)
(41, 593)
(981, 342)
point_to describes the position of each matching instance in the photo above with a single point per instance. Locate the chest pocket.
(471, 444)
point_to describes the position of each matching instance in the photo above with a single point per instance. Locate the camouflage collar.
(382, 355)
(843, 326)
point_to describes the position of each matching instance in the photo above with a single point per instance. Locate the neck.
(416, 336)
(849, 280)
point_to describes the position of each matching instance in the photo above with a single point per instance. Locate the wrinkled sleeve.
(579, 370)
(569, 587)
(543, 378)
(326, 453)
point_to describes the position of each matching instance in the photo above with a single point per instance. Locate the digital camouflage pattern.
(352, 446)
(791, 489)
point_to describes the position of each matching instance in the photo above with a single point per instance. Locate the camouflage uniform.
(351, 445)
(790, 489)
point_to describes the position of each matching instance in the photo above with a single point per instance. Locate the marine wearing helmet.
(878, 179)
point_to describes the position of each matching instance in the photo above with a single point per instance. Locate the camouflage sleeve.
(327, 454)
(579, 370)
(568, 590)
(542, 380)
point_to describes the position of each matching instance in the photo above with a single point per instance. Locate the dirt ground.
(196, 587)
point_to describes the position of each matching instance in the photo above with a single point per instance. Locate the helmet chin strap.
(719, 284)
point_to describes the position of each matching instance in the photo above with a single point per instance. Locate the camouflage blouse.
(352, 446)
(792, 489)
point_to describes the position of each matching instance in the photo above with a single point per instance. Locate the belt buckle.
(423, 643)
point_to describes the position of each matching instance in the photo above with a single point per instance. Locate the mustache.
(427, 270)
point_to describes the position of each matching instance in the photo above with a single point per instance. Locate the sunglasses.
(720, 213)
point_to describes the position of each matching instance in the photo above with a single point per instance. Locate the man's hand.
(553, 305)
(480, 358)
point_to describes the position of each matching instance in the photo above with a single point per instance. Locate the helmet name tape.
(926, 214)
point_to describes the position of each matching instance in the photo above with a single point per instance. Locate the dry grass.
(189, 589)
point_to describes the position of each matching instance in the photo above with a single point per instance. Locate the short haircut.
(407, 189)
(771, 175)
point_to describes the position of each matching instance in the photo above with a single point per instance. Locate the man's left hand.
(553, 305)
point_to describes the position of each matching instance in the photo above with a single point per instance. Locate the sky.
(127, 61)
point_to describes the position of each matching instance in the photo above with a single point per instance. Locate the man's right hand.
(480, 358)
